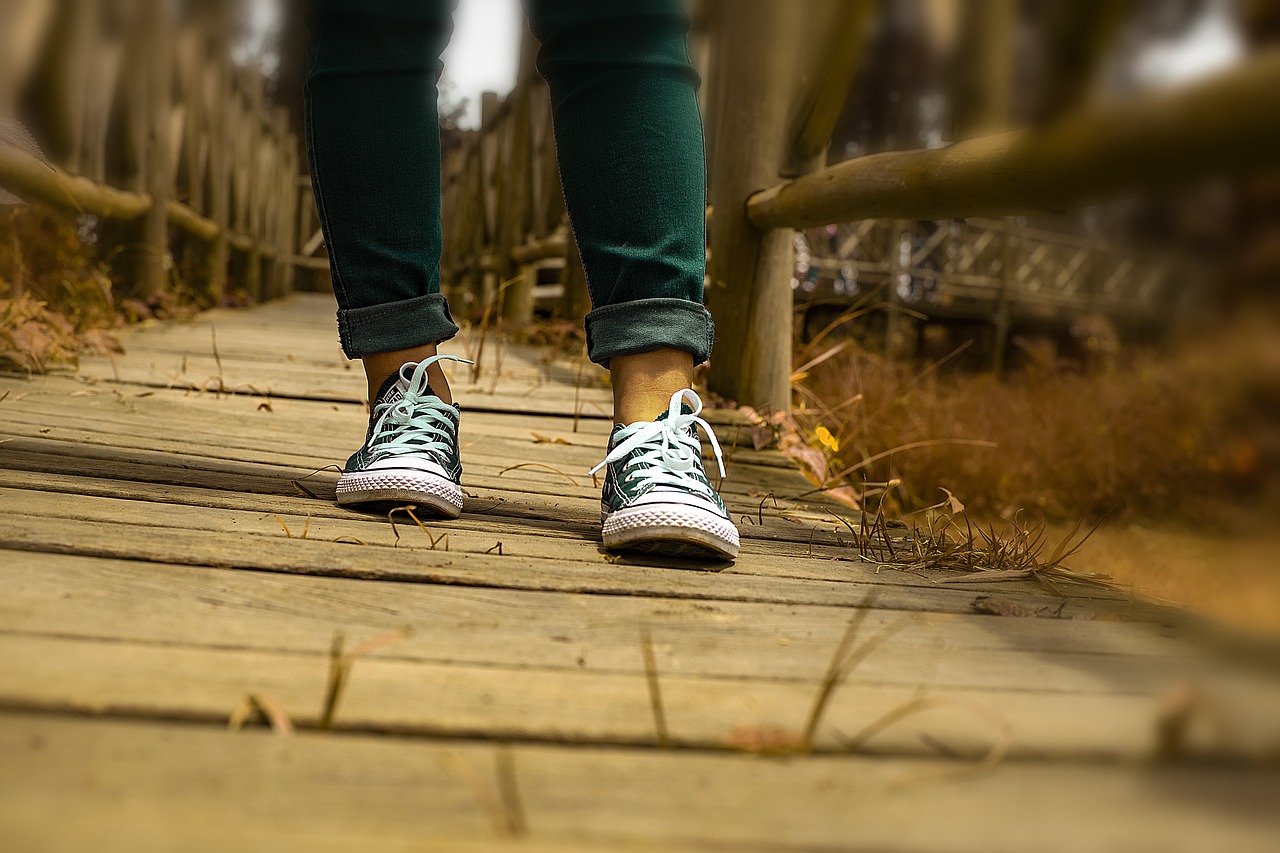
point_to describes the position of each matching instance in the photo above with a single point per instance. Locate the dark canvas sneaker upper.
(661, 461)
(411, 427)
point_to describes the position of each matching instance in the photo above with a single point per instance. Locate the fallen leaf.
(956, 506)
(1001, 607)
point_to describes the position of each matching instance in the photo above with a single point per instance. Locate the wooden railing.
(504, 215)
(151, 128)
(1222, 126)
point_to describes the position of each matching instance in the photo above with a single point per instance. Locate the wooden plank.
(484, 567)
(279, 378)
(242, 792)
(525, 531)
(252, 790)
(114, 600)
(576, 502)
(386, 694)
(53, 394)
(490, 462)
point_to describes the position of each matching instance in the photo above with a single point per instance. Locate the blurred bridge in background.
(997, 275)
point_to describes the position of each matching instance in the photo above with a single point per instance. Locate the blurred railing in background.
(992, 274)
(149, 127)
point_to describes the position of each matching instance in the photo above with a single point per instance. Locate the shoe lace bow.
(419, 422)
(670, 450)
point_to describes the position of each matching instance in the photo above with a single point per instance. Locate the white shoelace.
(672, 451)
(419, 421)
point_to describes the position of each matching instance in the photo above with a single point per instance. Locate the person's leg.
(629, 138)
(632, 162)
(374, 143)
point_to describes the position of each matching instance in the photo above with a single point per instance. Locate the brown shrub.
(1181, 432)
(56, 296)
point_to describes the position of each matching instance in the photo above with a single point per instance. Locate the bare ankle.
(644, 382)
(378, 367)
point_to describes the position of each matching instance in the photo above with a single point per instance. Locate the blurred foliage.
(1187, 432)
(57, 298)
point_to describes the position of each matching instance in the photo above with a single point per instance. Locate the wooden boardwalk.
(172, 568)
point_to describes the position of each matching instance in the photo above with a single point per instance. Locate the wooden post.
(218, 89)
(517, 207)
(750, 272)
(278, 211)
(900, 247)
(984, 71)
(251, 85)
(26, 22)
(844, 26)
(1079, 35)
(486, 193)
(517, 302)
(149, 238)
(575, 301)
(1002, 320)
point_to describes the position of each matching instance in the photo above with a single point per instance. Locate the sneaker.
(410, 454)
(656, 495)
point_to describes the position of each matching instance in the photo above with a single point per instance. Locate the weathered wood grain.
(156, 572)
(253, 790)
(111, 600)
(599, 798)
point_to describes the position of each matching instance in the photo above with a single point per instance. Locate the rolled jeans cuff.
(395, 325)
(645, 325)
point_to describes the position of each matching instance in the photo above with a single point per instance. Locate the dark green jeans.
(632, 164)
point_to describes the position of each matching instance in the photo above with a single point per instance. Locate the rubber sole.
(672, 529)
(430, 493)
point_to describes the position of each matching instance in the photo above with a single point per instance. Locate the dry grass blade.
(655, 689)
(800, 372)
(509, 791)
(340, 665)
(985, 575)
(760, 509)
(914, 445)
(297, 484)
(843, 661)
(480, 788)
(261, 706)
(550, 468)
(435, 540)
(862, 306)
(217, 360)
(832, 676)
(336, 683)
(917, 705)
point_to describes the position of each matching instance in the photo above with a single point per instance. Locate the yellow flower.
(827, 439)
